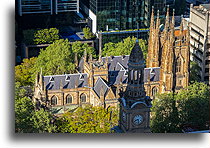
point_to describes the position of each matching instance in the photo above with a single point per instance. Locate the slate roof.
(117, 69)
(152, 74)
(100, 87)
(66, 81)
(115, 62)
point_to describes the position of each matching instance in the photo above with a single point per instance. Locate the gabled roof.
(152, 74)
(100, 87)
(115, 62)
(66, 81)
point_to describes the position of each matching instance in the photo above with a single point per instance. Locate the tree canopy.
(88, 120)
(56, 59)
(24, 73)
(189, 107)
(87, 33)
(46, 36)
(27, 119)
(124, 47)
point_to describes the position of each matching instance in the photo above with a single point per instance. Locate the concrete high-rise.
(200, 38)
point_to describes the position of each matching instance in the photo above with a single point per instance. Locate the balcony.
(35, 6)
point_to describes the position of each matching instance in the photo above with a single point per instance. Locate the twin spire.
(168, 25)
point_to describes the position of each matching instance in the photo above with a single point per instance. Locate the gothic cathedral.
(168, 52)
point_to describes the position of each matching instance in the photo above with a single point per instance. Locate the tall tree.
(24, 73)
(189, 107)
(193, 105)
(164, 114)
(56, 59)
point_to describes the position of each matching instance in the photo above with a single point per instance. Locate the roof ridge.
(66, 74)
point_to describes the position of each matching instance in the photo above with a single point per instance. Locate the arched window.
(135, 75)
(83, 98)
(54, 100)
(178, 65)
(69, 99)
(154, 91)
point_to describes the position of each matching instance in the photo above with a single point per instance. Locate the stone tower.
(134, 104)
(168, 50)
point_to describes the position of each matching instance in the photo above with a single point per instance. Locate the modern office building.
(46, 6)
(159, 5)
(116, 14)
(200, 38)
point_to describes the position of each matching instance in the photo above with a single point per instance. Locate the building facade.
(200, 39)
(117, 14)
(99, 82)
(46, 6)
(168, 52)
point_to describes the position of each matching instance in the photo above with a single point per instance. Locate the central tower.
(134, 104)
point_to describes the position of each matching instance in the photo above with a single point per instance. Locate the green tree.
(189, 107)
(87, 33)
(43, 122)
(27, 119)
(23, 113)
(56, 59)
(124, 47)
(24, 73)
(164, 114)
(194, 70)
(88, 120)
(78, 48)
(193, 105)
(46, 36)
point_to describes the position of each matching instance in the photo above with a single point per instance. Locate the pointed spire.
(173, 20)
(76, 59)
(158, 21)
(167, 19)
(152, 19)
(181, 25)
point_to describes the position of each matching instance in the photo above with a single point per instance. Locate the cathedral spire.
(173, 20)
(152, 19)
(151, 39)
(166, 27)
(172, 28)
(181, 26)
(155, 62)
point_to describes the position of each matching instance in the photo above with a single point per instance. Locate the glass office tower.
(119, 14)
